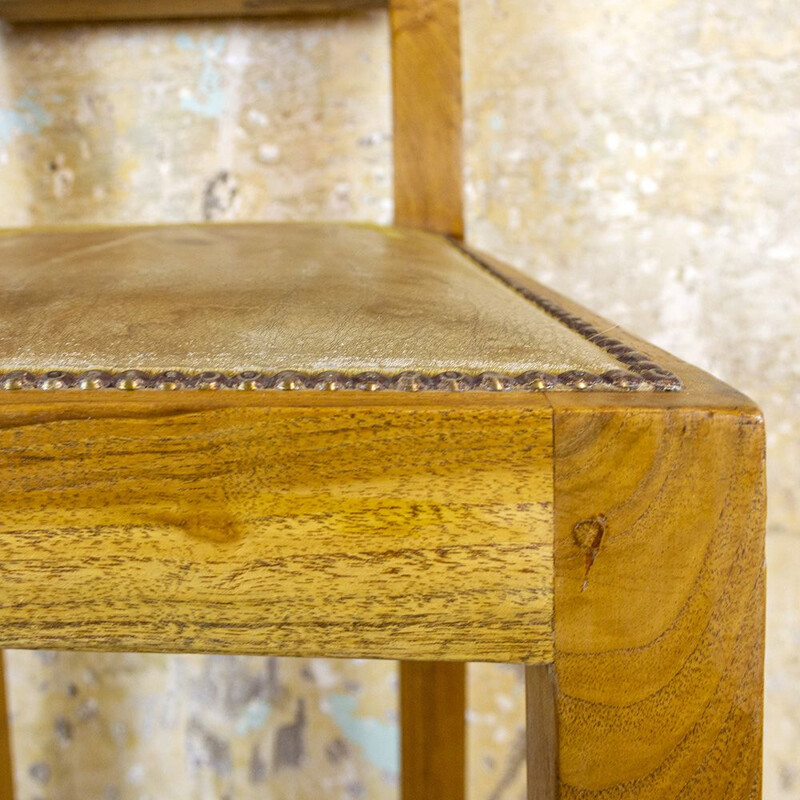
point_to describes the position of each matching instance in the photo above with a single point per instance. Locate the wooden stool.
(375, 442)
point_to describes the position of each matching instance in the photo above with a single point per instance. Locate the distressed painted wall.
(172, 122)
(642, 155)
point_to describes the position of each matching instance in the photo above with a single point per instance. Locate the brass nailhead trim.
(290, 380)
(641, 367)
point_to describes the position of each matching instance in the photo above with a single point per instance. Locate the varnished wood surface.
(659, 608)
(255, 524)
(427, 109)
(6, 762)
(432, 718)
(542, 728)
(98, 10)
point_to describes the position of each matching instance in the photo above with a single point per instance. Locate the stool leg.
(6, 766)
(433, 726)
(656, 688)
(541, 723)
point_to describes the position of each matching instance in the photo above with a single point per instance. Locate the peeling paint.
(290, 739)
(379, 741)
(254, 717)
(208, 98)
(25, 116)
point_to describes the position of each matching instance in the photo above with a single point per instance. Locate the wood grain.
(659, 621)
(432, 717)
(320, 526)
(87, 10)
(426, 61)
(6, 761)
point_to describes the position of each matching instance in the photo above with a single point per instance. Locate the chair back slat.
(100, 10)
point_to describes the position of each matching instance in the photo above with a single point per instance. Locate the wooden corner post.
(427, 112)
(656, 691)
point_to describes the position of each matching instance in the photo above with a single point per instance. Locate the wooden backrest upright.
(426, 69)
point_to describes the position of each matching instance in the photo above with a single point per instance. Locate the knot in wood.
(588, 535)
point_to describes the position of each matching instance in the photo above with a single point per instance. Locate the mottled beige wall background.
(640, 154)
